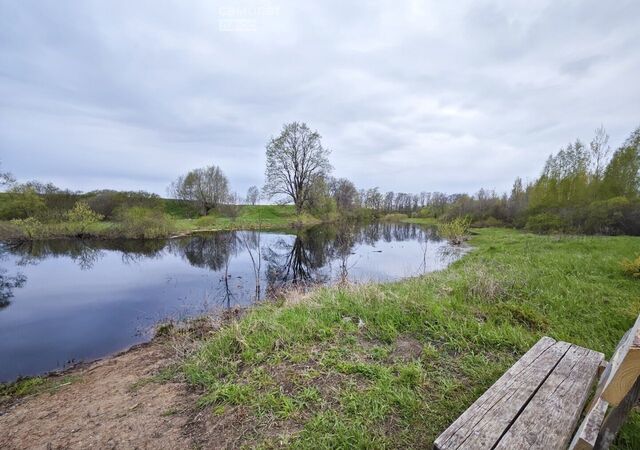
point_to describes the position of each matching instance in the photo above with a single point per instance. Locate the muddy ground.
(105, 406)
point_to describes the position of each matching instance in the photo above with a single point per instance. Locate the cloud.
(409, 95)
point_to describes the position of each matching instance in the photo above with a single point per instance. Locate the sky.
(409, 96)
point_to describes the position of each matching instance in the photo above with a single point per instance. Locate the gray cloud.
(409, 95)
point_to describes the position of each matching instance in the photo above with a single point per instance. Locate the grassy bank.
(250, 217)
(156, 224)
(389, 366)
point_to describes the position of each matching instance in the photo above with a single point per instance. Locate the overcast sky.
(409, 96)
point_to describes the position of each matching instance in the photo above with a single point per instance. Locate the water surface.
(65, 301)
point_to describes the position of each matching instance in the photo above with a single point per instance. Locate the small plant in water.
(455, 231)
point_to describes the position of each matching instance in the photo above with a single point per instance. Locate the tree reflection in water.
(297, 260)
(8, 284)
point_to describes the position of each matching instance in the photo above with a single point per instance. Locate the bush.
(606, 216)
(489, 222)
(31, 227)
(81, 217)
(109, 203)
(545, 223)
(21, 204)
(630, 267)
(455, 231)
(207, 221)
(139, 222)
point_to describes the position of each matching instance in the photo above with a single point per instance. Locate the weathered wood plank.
(587, 434)
(549, 419)
(480, 426)
(625, 367)
(616, 417)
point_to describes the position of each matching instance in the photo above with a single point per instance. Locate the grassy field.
(250, 217)
(390, 366)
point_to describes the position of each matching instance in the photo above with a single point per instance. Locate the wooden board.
(482, 425)
(624, 367)
(617, 417)
(549, 419)
(587, 434)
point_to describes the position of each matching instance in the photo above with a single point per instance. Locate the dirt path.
(106, 406)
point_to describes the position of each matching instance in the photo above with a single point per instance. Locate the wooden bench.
(538, 402)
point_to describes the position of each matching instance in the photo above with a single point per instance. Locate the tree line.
(586, 188)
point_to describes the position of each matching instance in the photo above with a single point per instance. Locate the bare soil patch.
(106, 406)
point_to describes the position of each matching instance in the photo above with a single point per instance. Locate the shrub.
(109, 203)
(455, 231)
(606, 216)
(21, 203)
(207, 221)
(81, 217)
(631, 267)
(424, 213)
(139, 222)
(31, 227)
(545, 223)
(489, 222)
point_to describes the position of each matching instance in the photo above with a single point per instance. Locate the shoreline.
(380, 365)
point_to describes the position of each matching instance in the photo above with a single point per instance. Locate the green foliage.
(424, 213)
(31, 227)
(30, 386)
(488, 222)
(456, 230)
(21, 203)
(107, 203)
(545, 223)
(606, 216)
(82, 216)
(319, 201)
(621, 177)
(180, 209)
(347, 385)
(139, 222)
(209, 221)
(631, 267)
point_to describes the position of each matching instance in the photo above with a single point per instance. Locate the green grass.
(250, 217)
(421, 221)
(31, 386)
(391, 366)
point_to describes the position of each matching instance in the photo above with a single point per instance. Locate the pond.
(66, 301)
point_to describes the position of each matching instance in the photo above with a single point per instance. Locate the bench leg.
(616, 418)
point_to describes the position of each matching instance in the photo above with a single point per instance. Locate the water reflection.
(8, 284)
(80, 299)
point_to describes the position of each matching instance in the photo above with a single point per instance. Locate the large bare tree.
(295, 159)
(208, 187)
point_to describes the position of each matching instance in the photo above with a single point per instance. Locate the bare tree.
(344, 193)
(253, 194)
(600, 151)
(6, 179)
(208, 187)
(294, 160)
